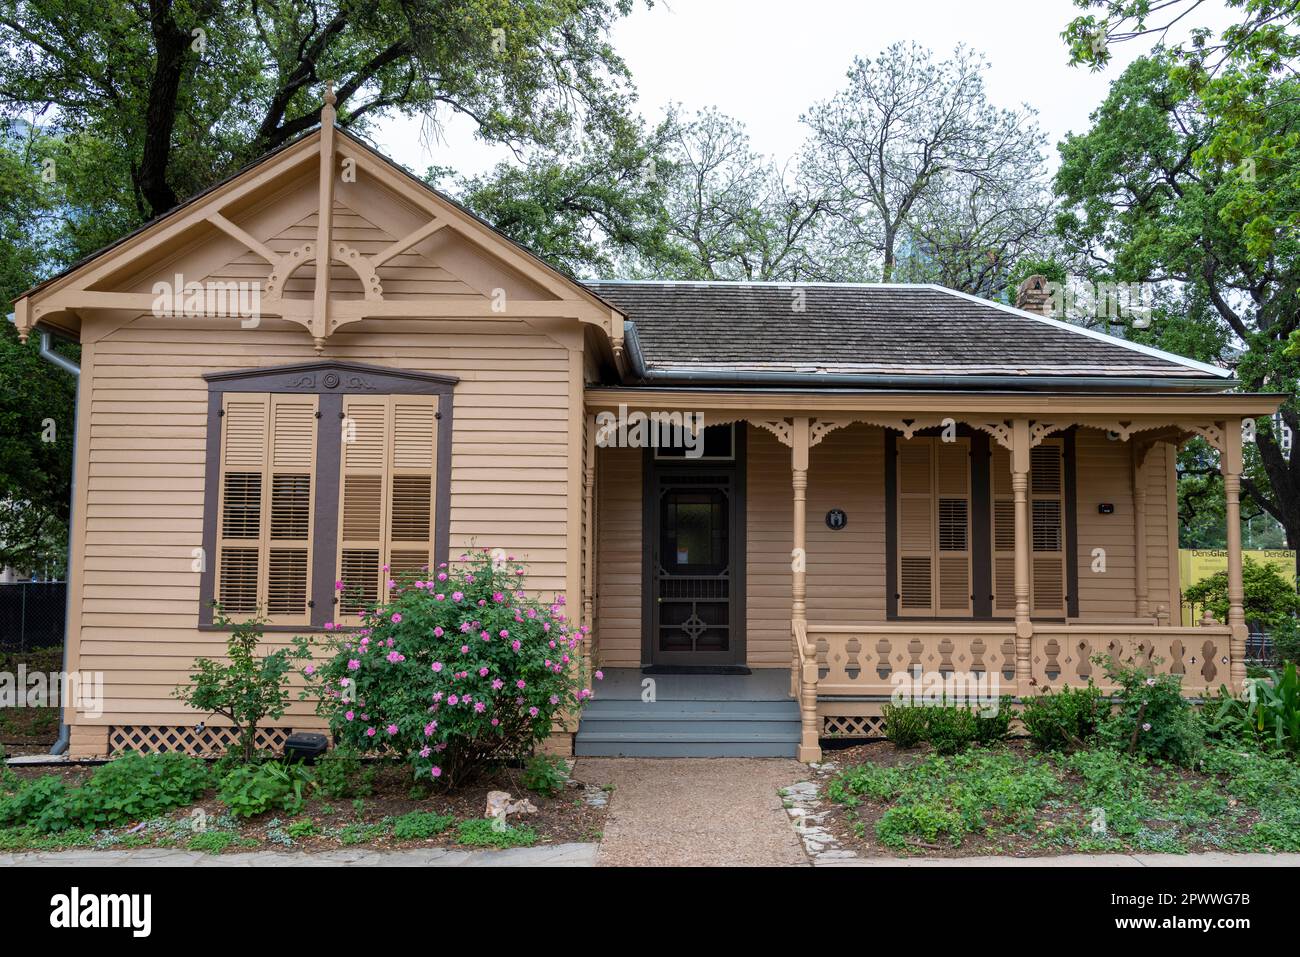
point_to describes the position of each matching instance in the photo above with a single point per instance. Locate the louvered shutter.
(1047, 514)
(916, 526)
(1003, 528)
(240, 522)
(361, 501)
(289, 525)
(268, 454)
(952, 496)
(387, 493)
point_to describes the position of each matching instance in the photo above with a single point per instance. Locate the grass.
(1005, 799)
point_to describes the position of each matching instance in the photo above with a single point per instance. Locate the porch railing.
(864, 660)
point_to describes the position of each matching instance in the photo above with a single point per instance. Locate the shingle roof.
(868, 329)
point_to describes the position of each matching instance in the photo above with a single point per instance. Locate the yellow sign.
(1196, 564)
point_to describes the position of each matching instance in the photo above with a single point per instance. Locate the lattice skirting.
(200, 740)
(853, 726)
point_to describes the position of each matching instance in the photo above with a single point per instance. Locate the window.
(389, 469)
(317, 473)
(934, 527)
(268, 452)
(948, 564)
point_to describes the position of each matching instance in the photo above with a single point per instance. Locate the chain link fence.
(32, 615)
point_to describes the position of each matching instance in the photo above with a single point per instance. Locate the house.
(769, 502)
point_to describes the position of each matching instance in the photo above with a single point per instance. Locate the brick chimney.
(1033, 295)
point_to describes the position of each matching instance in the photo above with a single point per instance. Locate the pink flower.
(437, 632)
(464, 649)
(520, 684)
(391, 729)
(429, 728)
(532, 712)
(442, 576)
(350, 715)
(394, 657)
(310, 669)
(554, 699)
(514, 645)
(353, 664)
(584, 693)
(436, 771)
(498, 597)
(370, 732)
(504, 633)
(483, 672)
(329, 626)
(425, 752)
(452, 699)
(497, 684)
(437, 666)
(480, 707)
(391, 583)
(495, 722)
(396, 618)
(338, 586)
(457, 595)
(600, 676)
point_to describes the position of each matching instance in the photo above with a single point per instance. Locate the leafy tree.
(1150, 194)
(186, 91)
(734, 214)
(585, 208)
(924, 176)
(1269, 595)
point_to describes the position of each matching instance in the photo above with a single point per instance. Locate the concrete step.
(767, 710)
(710, 744)
(706, 725)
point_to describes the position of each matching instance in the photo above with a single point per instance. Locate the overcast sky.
(765, 61)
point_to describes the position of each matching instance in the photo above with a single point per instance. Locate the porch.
(850, 644)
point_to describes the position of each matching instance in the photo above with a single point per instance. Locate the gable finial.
(327, 111)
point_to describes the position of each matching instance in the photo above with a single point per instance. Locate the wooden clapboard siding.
(618, 545)
(1104, 474)
(144, 488)
(1162, 587)
(846, 569)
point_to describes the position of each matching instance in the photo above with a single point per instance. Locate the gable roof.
(833, 329)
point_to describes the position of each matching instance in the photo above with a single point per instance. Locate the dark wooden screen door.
(694, 602)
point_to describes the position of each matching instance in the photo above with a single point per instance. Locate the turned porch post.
(589, 548)
(1230, 466)
(809, 744)
(1020, 493)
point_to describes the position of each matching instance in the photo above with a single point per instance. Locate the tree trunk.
(171, 44)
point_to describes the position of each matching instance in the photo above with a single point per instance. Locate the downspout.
(73, 369)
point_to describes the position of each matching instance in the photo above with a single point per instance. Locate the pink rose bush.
(406, 684)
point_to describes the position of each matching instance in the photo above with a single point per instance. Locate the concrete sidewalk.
(551, 855)
(1212, 859)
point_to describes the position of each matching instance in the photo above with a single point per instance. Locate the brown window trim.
(981, 531)
(330, 380)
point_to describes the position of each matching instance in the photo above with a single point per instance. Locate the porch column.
(1020, 493)
(1230, 466)
(1142, 605)
(589, 548)
(809, 745)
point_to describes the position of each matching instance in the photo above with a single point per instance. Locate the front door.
(696, 563)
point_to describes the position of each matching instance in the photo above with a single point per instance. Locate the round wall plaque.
(836, 519)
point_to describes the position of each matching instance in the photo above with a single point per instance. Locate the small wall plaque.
(836, 519)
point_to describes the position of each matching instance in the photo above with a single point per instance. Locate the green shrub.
(926, 821)
(340, 774)
(131, 788)
(994, 724)
(1269, 595)
(487, 832)
(247, 687)
(904, 725)
(872, 781)
(419, 825)
(1151, 717)
(1059, 720)
(451, 713)
(8, 780)
(302, 828)
(950, 729)
(1267, 714)
(251, 789)
(546, 774)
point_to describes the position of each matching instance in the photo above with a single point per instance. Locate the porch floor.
(690, 716)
